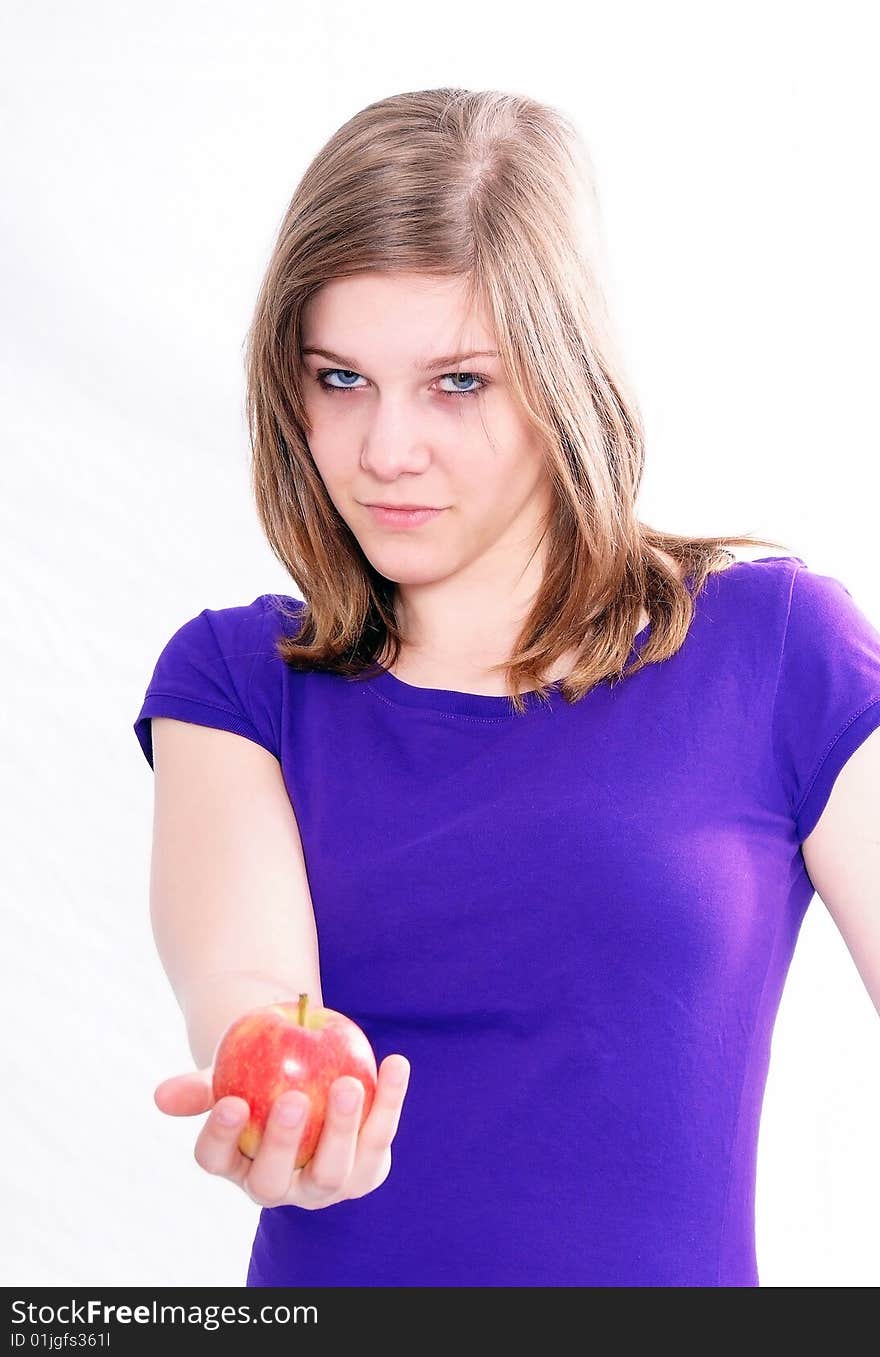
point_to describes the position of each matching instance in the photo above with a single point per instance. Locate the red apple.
(285, 1046)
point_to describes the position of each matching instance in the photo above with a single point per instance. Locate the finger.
(269, 1177)
(185, 1095)
(380, 1127)
(216, 1149)
(325, 1174)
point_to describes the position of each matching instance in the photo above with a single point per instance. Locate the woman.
(519, 784)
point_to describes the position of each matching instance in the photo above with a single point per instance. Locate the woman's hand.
(346, 1163)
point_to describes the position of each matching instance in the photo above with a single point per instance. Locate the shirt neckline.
(458, 703)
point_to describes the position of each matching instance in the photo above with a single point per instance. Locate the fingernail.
(290, 1114)
(398, 1074)
(228, 1115)
(346, 1098)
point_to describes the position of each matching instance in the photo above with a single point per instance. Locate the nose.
(394, 441)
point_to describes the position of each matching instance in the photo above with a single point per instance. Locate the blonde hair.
(497, 190)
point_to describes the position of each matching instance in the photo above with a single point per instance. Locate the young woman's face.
(390, 425)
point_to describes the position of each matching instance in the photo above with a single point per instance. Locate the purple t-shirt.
(576, 924)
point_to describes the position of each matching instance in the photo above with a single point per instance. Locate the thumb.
(185, 1095)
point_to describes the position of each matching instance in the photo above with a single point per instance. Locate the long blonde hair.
(497, 190)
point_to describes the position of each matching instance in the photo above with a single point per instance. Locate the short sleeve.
(204, 675)
(828, 691)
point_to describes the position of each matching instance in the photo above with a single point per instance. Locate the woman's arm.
(230, 903)
(842, 857)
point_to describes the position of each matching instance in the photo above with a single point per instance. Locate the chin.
(396, 568)
(400, 575)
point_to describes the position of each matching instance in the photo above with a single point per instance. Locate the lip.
(401, 518)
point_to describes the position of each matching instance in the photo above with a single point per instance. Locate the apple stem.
(301, 1012)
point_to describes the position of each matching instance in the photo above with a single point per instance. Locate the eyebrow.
(445, 360)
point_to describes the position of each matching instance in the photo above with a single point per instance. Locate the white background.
(148, 155)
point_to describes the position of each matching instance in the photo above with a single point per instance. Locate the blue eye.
(471, 376)
(324, 373)
(328, 386)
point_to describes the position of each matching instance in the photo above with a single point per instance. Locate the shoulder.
(283, 613)
(241, 629)
(222, 668)
(223, 626)
(810, 604)
(760, 588)
(764, 571)
(227, 647)
(827, 697)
